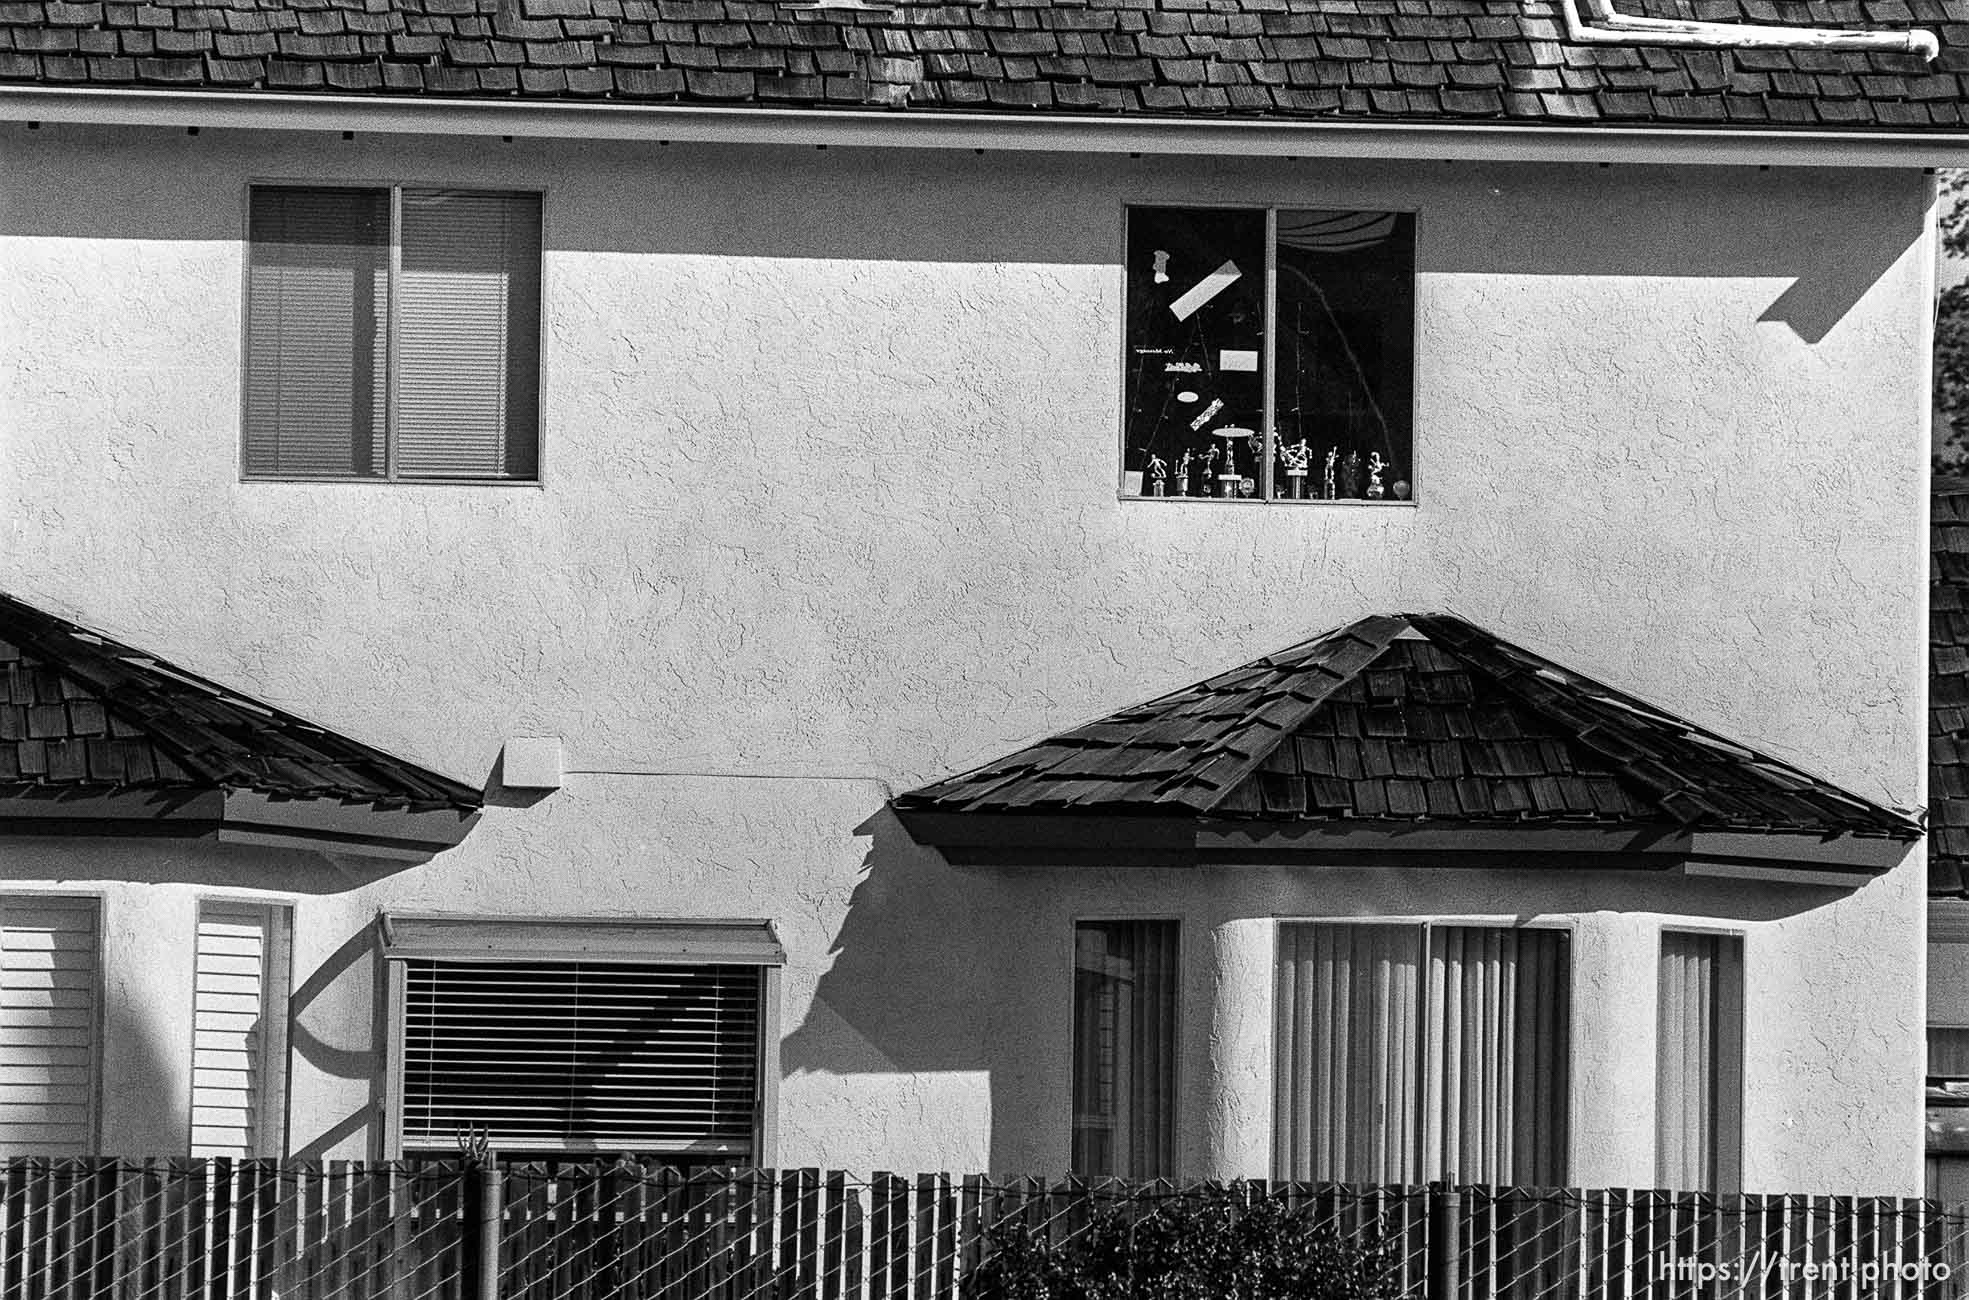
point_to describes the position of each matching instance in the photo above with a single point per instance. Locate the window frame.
(1178, 1030)
(395, 185)
(1432, 1158)
(555, 938)
(1268, 369)
(1741, 1147)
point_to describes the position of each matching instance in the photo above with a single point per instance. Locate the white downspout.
(1608, 27)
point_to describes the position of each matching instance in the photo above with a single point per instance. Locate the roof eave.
(1038, 132)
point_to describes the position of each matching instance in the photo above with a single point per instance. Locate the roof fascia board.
(342, 825)
(936, 130)
(174, 814)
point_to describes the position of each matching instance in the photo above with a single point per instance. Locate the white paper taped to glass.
(1205, 289)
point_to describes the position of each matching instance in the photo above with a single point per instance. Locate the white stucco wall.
(829, 509)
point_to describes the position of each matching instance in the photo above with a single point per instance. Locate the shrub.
(1215, 1242)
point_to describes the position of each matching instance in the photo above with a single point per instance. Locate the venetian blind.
(1124, 1049)
(239, 999)
(557, 1056)
(1699, 1063)
(467, 322)
(48, 1013)
(317, 297)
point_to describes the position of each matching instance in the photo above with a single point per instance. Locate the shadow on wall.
(312, 1004)
(135, 1119)
(203, 862)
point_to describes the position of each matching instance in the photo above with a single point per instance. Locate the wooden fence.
(260, 1230)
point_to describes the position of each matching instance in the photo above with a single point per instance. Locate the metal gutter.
(1037, 132)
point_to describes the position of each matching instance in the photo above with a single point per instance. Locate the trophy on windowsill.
(1326, 484)
(1158, 476)
(1182, 475)
(1296, 457)
(1375, 468)
(1229, 479)
(1350, 476)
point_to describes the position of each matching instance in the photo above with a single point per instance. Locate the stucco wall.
(829, 503)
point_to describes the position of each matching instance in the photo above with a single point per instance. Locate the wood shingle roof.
(82, 713)
(1410, 718)
(1363, 60)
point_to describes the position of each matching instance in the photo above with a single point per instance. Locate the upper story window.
(392, 333)
(1270, 354)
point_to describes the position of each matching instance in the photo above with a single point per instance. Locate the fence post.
(1445, 1231)
(491, 1181)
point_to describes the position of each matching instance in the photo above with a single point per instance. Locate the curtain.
(1348, 1013)
(1699, 1062)
(1124, 1049)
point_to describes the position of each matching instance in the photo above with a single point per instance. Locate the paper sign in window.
(1205, 289)
(1237, 359)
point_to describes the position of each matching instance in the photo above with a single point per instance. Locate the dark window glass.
(1124, 1049)
(1339, 363)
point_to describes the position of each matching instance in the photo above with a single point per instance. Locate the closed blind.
(1124, 1049)
(467, 320)
(1699, 1066)
(48, 1010)
(557, 1056)
(239, 996)
(317, 295)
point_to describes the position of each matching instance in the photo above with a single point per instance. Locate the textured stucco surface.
(830, 493)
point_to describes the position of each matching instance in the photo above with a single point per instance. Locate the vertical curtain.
(1699, 1062)
(1498, 1065)
(467, 322)
(1124, 1049)
(1348, 1034)
(317, 294)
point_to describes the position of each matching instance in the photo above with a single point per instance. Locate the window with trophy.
(1271, 354)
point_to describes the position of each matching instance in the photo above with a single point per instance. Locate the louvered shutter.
(467, 321)
(48, 1012)
(317, 297)
(569, 1055)
(239, 997)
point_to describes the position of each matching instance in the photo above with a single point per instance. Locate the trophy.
(1350, 475)
(1229, 479)
(1295, 457)
(1375, 467)
(1158, 476)
(1326, 484)
(1182, 475)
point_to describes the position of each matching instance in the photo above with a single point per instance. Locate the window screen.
(578, 1056)
(48, 1019)
(392, 334)
(1124, 1049)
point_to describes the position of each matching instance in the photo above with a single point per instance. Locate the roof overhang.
(373, 830)
(1038, 132)
(1079, 839)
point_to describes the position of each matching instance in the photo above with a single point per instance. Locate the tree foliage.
(1952, 336)
(1221, 1242)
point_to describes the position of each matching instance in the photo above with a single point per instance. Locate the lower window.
(597, 1049)
(1699, 1068)
(1124, 1049)
(1410, 1053)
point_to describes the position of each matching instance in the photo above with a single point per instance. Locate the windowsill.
(1409, 504)
(400, 482)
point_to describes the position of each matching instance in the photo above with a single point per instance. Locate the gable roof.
(81, 713)
(1409, 718)
(1362, 60)
(1948, 689)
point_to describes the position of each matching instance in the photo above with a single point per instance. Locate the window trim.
(395, 184)
(1180, 1032)
(1271, 208)
(403, 937)
(1742, 1146)
(1503, 921)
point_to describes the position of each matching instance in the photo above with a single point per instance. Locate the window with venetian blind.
(392, 333)
(568, 1055)
(1124, 1049)
(1699, 1062)
(1408, 1053)
(49, 1024)
(239, 1030)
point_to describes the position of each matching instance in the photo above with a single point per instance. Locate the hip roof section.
(1478, 61)
(80, 713)
(1410, 718)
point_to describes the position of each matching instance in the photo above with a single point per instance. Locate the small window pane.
(1196, 336)
(1948, 1053)
(317, 293)
(1124, 1049)
(1699, 1069)
(1346, 308)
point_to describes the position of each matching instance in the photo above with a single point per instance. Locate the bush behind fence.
(296, 1230)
